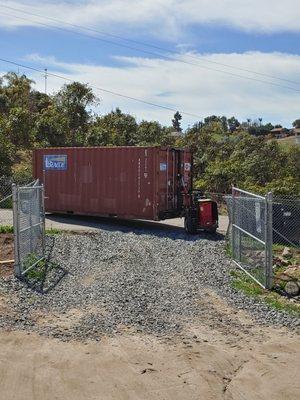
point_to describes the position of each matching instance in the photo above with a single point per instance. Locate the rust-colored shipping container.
(126, 182)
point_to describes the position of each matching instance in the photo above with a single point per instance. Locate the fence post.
(31, 210)
(236, 234)
(42, 216)
(239, 235)
(269, 240)
(232, 224)
(15, 196)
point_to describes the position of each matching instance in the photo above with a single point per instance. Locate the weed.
(39, 271)
(278, 248)
(228, 250)
(242, 282)
(54, 231)
(6, 229)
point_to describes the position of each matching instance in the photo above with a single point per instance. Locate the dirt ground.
(222, 355)
(6, 246)
(200, 363)
(6, 253)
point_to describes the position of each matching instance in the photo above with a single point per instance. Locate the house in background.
(296, 132)
(279, 133)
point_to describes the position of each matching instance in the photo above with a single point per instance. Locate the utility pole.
(46, 77)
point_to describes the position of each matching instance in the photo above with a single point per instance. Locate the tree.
(19, 127)
(212, 118)
(150, 133)
(72, 101)
(296, 123)
(21, 106)
(176, 122)
(268, 127)
(6, 153)
(4, 107)
(218, 125)
(29, 118)
(17, 90)
(233, 124)
(52, 127)
(113, 129)
(39, 101)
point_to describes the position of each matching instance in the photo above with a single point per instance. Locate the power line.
(149, 45)
(101, 89)
(153, 53)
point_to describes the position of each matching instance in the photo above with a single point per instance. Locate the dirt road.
(201, 363)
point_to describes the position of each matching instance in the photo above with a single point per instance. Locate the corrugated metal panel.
(129, 182)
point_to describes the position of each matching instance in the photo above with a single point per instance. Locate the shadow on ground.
(83, 224)
(47, 275)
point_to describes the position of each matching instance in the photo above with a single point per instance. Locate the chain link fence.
(6, 217)
(29, 227)
(251, 237)
(6, 214)
(286, 221)
(260, 228)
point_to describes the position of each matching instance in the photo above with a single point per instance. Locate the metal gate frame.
(20, 270)
(267, 238)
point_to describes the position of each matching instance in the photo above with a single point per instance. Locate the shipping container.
(127, 182)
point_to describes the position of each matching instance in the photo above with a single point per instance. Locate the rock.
(151, 280)
(287, 253)
(283, 277)
(292, 288)
(281, 262)
(294, 272)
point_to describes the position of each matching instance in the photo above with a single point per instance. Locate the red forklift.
(201, 214)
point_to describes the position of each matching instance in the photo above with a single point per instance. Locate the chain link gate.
(252, 235)
(29, 227)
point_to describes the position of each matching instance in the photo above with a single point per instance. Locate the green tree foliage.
(243, 160)
(16, 109)
(52, 127)
(233, 124)
(220, 123)
(176, 121)
(113, 129)
(150, 133)
(72, 101)
(226, 151)
(19, 127)
(6, 153)
(17, 90)
(296, 123)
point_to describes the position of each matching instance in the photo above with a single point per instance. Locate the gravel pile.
(150, 281)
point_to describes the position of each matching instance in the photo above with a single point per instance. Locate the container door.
(168, 180)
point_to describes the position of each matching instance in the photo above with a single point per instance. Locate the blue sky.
(266, 42)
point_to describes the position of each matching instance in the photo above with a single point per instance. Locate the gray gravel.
(150, 281)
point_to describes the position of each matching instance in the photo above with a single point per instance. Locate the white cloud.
(188, 88)
(167, 17)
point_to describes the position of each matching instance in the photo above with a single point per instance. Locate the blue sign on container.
(55, 162)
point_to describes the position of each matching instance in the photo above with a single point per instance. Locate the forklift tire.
(190, 224)
(212, 230)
